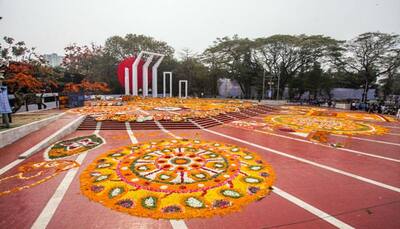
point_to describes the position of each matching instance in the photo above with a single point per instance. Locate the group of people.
(376, 107)
(316, 102)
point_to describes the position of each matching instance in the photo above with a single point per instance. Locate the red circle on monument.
(127, 63)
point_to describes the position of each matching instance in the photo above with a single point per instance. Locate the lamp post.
(263, 87)
(277, 94)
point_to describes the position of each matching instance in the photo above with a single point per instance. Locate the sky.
(51, 25)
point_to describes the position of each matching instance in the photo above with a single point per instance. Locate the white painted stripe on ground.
(10, 166)
(393, 134)
(246, 115)
(130, 133)
(166, 131)
(98, 127)
(357, 177)
(395, 127)
(369, 140)
(176, 224)
(48, 211)
(216, 120)
(32, 150)
(324, 216)
(143, 112)
(342, 149)
(231, 117)
(313, 210)
(369, 155)
(45, 141)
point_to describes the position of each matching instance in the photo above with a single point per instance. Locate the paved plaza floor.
(317, 185)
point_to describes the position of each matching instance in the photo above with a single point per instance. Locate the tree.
(235, 56)
(192, 69)
(20, 79)
(215, 70)
(18, 52)
(122, 47)
(80, 59)
(25, 71)
(284, 56)
(90, 63)
(370, 55)
(87, 87)
(22, 83)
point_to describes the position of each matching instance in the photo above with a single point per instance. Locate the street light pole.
(277, 94)
(263, 87)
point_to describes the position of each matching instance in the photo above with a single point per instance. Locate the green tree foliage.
(302, 63)
(117, 48)
(91, 63)
(370, 55)
(122, 47)
(286, 56)
(26, 72)
(192, 69)
(235, 57)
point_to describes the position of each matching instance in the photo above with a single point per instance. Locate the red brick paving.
(356, 203)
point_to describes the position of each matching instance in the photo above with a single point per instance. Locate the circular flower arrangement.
(306, 123)
(175, 179)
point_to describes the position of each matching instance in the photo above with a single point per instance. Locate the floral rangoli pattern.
(175, 179)
(138, 109)
(34, 173)
(73, 146)
(309, 123)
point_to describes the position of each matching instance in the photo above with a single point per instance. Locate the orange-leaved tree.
(22, 83)
(20, 78)
(87, 87)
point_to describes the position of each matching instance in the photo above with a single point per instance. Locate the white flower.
(164, 177)
(104, 165)
(251, 180)
(255, 167)
(149, 202)
(231, 193)
(200, 175)
(102, 177)
(194, 202)
(142, 168)
(115, 192)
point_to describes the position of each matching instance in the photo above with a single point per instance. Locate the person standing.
(5, 108)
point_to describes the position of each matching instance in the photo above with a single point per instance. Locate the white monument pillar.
(170, 83)
(126, 81)
(146, 76)
(135, 74)
(154, 76)
(180, 88)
